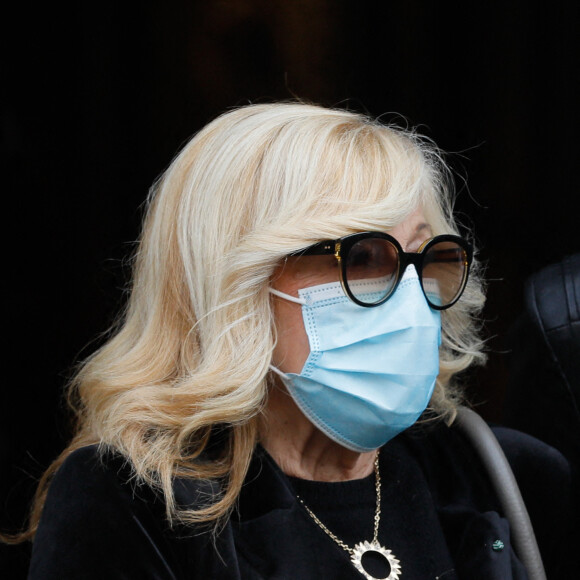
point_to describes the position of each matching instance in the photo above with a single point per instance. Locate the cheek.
(292, 348)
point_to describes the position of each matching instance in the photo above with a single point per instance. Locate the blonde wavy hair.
(191, 352)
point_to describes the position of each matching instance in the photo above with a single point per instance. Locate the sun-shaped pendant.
(363, 548)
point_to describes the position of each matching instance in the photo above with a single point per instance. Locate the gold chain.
(377, 512)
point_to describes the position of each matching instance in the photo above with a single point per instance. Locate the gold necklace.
(362, 548)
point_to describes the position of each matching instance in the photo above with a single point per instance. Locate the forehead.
(412, 231)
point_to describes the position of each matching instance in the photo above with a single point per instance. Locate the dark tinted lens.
(371, 269)
(444, 272)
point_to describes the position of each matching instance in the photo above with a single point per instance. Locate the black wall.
(97, 98)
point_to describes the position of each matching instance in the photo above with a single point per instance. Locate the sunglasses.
(371, 265)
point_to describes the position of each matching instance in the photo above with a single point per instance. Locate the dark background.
(97, 99)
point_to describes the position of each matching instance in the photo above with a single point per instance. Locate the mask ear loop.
(277, 371)
(287, 296)
(290, 298)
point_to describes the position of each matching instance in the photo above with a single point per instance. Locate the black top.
(439, 517)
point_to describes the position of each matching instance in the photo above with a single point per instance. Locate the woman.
(300, 296)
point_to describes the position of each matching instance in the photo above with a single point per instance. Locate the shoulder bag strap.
(506, 487)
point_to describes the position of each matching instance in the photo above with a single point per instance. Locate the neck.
(301, 450)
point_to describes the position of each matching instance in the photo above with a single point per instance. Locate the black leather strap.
(504, 482)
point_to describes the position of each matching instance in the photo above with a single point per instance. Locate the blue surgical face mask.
(371, 371)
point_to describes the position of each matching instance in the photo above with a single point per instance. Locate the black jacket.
(439, 517)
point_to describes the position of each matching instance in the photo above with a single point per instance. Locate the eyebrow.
(423, 227)
(422, 233)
